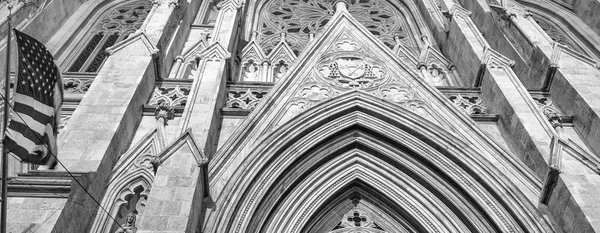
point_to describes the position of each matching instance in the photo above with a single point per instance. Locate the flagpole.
(4, 125)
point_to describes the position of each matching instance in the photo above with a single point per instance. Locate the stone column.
(266, 75)
(464, 45)
(226, 25)
(103, 125)
(176, 198)
(175, 70)
(176, 201)
(519, 115)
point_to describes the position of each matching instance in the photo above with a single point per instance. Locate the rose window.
(299, 18)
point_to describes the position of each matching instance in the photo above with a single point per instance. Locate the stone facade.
(317, 116)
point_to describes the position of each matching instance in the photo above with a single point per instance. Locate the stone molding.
(136, 36)
(229, 5)
(494, 60)
(214, 52)
(185, 139)
(361, 102)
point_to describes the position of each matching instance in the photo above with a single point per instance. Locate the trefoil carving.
(244, 98)
(470, 102)
(171, 94)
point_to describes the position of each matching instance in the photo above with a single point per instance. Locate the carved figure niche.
(132, 205)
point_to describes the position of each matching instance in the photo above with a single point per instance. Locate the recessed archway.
(436, 182)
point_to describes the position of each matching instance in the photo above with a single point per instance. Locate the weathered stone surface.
(323, 142)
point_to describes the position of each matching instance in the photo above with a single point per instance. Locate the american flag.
(31, 134)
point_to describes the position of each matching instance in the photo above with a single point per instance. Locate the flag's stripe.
(39, 106)
(23, 110)
(24, 141)
(25, 119)
(17, 149)
(26, 132)
(32, 130)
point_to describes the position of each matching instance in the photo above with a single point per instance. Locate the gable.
(347, 61)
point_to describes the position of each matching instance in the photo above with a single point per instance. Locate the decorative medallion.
(352, 72)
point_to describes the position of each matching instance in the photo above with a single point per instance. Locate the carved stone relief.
(357, 220)
(545, 104)
(352, 71)
(244, 98)
(77, 85)
(470, 102)
(173, 94)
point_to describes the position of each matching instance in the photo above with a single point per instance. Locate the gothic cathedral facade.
(380, 116)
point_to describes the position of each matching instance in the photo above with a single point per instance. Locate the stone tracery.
(301, 18)
(356, 220)
(110, 29)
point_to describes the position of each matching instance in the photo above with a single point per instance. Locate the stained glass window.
(112, 27)
(299, 18)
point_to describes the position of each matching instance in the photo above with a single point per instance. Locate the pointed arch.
(362, 196)
(133, 175)
(108, 23)
(439, 182)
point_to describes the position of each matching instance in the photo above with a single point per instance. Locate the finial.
(253, 36)
(282, 37)
(341, 5)
(425, 40)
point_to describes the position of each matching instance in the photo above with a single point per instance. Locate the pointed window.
(112, 27)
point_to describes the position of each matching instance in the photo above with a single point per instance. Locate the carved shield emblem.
(352, 72)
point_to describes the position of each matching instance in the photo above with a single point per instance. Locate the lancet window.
(298, 19)
(112, 27)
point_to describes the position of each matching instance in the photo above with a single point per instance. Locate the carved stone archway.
(434, 181)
